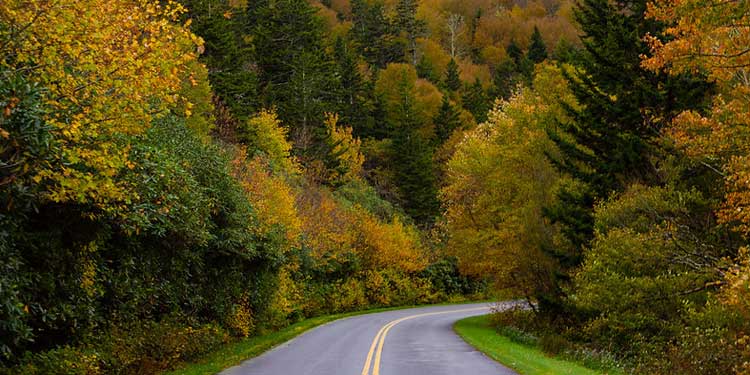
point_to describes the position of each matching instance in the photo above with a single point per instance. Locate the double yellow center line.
(377, 343)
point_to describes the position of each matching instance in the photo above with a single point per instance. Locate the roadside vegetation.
(522, 352)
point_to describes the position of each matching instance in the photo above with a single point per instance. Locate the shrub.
(62, 361)
(152, 347)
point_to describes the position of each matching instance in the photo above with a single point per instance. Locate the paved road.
(416, 341)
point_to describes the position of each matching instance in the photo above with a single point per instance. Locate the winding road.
(417, 341)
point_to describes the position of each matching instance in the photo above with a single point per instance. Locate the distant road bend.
(417, 341)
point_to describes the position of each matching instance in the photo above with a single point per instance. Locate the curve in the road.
(423, 343)
(379, 339)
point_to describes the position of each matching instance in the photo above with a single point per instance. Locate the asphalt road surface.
(418, 341)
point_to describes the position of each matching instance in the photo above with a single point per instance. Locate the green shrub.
(62, 361)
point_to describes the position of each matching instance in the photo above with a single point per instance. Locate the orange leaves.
(110, 67)
(334, 232)
(712, 36)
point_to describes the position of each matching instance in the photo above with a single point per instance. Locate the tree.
(228, 53)
(504, 79)
(497, 182)
(446, 121)
(102, 86)
(426, 70)
(514, 52)
(354, 96)
(455, 24)
(611, 139)
(521, 62)
(295, 74)
(373, 33)
(713, 37)
(475, 101)
(406, 21)
(411, 159)
(452, 79)
(537, 50)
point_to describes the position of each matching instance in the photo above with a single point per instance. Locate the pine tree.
(452, 78)
(407, 23)
(623, 108)
(353, 94)
(514, 52)
(295, 74)
(504, 79)
(227, 54)
(475, 101)
(537, 50)
(412, 160)
(373, 33)
(426, 70)
(446, 121)
(521, 63)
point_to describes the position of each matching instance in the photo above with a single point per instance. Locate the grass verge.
(478, 332)
(233, 353)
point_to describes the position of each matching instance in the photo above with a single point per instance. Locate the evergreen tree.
(412, 160)
(504, 79)
(353, 93)
(475, 101)
(227, 55)
(514, 52)
(521, 63)
(614, 133)
(373, 33)
(407, 23)
(446, 121)
(295, 74)
(537, 50)
(452, 78)
(426, 70)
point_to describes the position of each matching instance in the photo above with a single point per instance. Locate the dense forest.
(176, 175)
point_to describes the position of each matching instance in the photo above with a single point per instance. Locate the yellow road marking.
(379, 339)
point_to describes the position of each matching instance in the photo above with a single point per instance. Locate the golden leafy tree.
(109, 67)
(265, 134)
(347, 149)
(498, 182)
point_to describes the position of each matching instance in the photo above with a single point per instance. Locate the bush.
(152, 347)
(62, 361)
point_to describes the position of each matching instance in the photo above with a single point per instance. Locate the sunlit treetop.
(712, 37)
(109, 67)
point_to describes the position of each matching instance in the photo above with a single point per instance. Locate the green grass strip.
(526, 360)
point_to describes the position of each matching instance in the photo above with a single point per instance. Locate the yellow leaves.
(346, 147)
(271, 197)
(334, 231)
(498, 180)
(264, 133)
(12, 103)
(117, 62)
